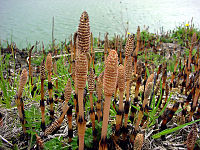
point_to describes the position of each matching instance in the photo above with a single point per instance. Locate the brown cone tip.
(49, 62)
(91, 83)
(99, 84)
(194, 38)
(129, 46)
(148, 90)
(84, 33)
(100, 78)
(150, 79)
(68, 90)
(110, 73)
(148, 86)
(192, 136)
(121, 77)
(81, 71)
(138, 141)
(138, 33)
(22, 82)
(52, 128)
(42, 70)
(128, 68)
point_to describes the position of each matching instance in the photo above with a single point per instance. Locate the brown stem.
(125, 120)
(190, 56)
(174, 73)
(81, 133)
(42, 105)
(127, 90)
(91, 101)
(50, 89)
(93, 60)
(21, 111)
(120, 56)
(98, 105)
(65, 109)
(121, 100)
(140, 115)
(197, 91)
(80, 102)
(81, 122)
(106, 117)
(69, 118)
(127, 99)
(118, 122)
(92, 115)
(29, 66)
(135, 64)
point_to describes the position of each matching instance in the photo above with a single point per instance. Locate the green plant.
(33, 123)
(183, 34)
(54, 144)
(167, 131)
(7, 88)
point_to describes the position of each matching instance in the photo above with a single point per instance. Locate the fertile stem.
(106, 111)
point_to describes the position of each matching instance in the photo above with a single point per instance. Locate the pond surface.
(28, 21)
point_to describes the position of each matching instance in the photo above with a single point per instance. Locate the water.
(28, 21)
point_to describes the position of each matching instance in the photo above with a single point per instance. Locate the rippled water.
(27, 21)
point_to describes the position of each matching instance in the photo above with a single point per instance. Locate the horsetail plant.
(138, 142)
(174, 73)
(69, 118)
(81, 77)
(192, 137)
(99, 95)
(168, 117)
(195, 99)
(56, 124)
(188, 67)
(82, 70)
(50, 85)
(133, 110)
(68, 90)
(29, 66)
(19, 101)
(128, 73)
(91, 87)
(136, 50)
(109, 85)
(147, 93)
(67, 96)
(106, 47)
(55, 71)
(42, 105)
(121, 86)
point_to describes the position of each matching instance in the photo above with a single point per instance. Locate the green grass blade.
(162, 111)
(167, 131)
(147, 70)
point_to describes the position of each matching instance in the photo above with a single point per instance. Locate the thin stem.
(106, 116)
(121, 100)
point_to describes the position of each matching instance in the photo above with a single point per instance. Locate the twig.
(3, 139)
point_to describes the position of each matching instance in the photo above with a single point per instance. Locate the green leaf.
(147, 70)
(167, 131)
(162, 111)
